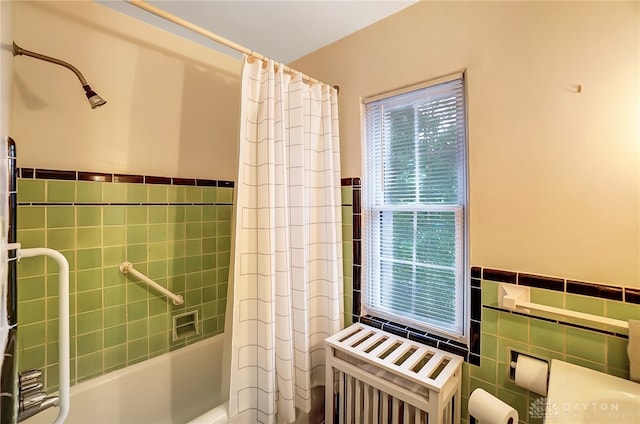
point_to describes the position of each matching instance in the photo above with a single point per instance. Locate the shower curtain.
(287, 272)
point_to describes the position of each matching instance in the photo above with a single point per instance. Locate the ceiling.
(281, 30)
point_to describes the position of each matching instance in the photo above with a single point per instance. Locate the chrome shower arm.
(17, 50)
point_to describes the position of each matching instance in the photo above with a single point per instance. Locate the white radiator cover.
(385, 379)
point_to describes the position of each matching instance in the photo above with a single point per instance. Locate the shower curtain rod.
(213, 36)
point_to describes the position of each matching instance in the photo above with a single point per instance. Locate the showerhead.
(95, 100)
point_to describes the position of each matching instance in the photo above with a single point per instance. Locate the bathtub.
(176, 387)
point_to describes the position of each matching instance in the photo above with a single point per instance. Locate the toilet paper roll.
(488, 409)
(532, 374)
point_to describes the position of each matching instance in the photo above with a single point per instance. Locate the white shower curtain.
(287, 276)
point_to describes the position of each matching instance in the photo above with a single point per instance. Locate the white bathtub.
(172, 388)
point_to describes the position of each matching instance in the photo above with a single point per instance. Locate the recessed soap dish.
(185, 325)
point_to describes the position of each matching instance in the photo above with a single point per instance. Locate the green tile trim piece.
(61, 191)
(31, 217)
(88, 192)
(31, 190)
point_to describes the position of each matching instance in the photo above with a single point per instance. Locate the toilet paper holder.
(514, 361)
(529, 372)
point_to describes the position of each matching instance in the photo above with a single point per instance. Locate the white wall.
(172, 105)
(554, 175)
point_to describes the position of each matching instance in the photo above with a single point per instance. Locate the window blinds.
(414, 207)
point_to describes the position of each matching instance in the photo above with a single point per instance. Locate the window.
(415, 207)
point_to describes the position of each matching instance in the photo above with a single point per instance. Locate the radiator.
(380, 378)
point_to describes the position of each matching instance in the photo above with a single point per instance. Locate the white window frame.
(462, 258)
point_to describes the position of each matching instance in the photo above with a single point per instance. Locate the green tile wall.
(179, 236)
(503, 331)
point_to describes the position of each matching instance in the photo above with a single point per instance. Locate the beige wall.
(554, 175)
(6, 69)
(172, 108)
